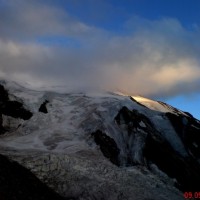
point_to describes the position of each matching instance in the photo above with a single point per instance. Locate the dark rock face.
(107, 145)
(128, 117)
(188, 129)
(133, 134)
(2, 129)
(136, 126)
(185, 171)
(4, 94)
(133, 119)
(15, 109)
(18, 183)
(11, 108)
(43, 107)
(154, 148)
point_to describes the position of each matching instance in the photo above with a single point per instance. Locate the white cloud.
(153, 58)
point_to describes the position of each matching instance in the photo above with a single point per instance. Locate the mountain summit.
(101, 145)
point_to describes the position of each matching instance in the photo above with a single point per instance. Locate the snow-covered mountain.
(101, 145)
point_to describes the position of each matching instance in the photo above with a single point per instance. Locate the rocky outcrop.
(10, 108)
(185, 171)
(43, 107)
(188, 129)
(108, 146)
(134, 128)
(145, 145)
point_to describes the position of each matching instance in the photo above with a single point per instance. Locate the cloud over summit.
(44, 44)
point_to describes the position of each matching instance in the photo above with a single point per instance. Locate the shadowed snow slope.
(102, 145)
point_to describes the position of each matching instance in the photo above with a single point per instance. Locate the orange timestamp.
(191, 195)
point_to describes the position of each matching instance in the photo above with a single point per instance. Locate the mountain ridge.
(128, 136)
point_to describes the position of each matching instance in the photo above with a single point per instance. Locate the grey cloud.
(29, 19)
(154, 58)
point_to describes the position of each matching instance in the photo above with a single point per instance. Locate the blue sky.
(113, 13)
(145, 47)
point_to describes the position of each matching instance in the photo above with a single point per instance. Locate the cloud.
(152, 57)
(28, 19)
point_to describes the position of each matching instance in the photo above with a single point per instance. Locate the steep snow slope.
(158, 105)
(102, 145)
